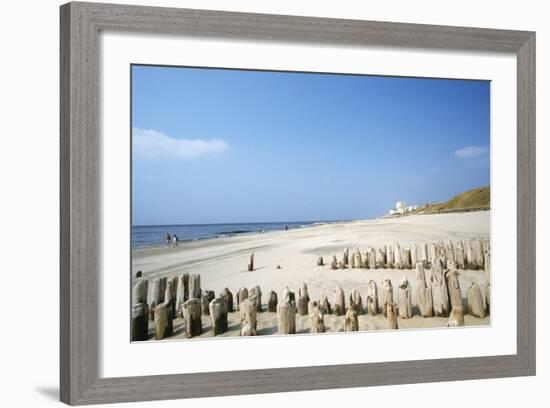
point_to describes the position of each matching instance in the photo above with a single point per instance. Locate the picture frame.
(80, 156)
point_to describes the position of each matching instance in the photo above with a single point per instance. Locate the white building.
(401, 208)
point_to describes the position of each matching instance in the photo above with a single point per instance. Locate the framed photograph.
(291, 203)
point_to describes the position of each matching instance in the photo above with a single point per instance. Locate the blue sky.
(219, 146)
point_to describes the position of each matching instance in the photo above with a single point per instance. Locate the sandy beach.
(288, 258)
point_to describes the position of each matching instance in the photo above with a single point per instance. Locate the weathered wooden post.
(380, 258)
(207, 297)
(242, 294)
(320, 261)
(288, 295)
(334, 262)
(456, 318)
(352, 321)
(397, 255)
(139, 294)
(163, 321)
(475, 301)
(345, 257)
(163, 282)
(455, 294)
(424, 255)
(256, 292)
(487, 263)
(355, 301)
(286, 317)
(372, 298)
(339, 301)
(248, 312)
(140, 322)
(324, 306)
(272, 301)
(385, 295)
(414, 255)
(303, 300)
(170, 297)
(406, 258)
(404, 299)
(371, 256)
(156, 297)
(194, 286)
(449, 253)
(364, 260)
(316, 319)
(251, 262)
(459, 256)
(469, 262)
(433, 252)
(391, 316)
(186, 287)
(227, 297)
(478, 254)
(180, 296)
(423, 292)
(218, 314)
(440, 295)
(192, 317)
(390, 260)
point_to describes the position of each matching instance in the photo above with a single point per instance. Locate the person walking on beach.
(168, 239)
(175, 241)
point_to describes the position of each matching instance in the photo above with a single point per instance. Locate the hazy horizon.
(214, 146)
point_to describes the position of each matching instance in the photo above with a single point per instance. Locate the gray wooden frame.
(80, 158)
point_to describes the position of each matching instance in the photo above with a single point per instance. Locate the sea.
(155, 235)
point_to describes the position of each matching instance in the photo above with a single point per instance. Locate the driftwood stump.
(478, 254)
(218, 314)
(256, 292)
(251, 262)
(355, 301)
(242, 294)
(440, 295)
(192, 317)
(406, 258)
(456, 318)
(139, 294)
(194, 286)
(320, 261)
(372, 298)
(391, 317)
(303, 300)
(324, 305)
(140, 322)
(352, 321)
(475, 301)
(247, 313)
(423, 292)
(469, 259)
(170, 297)
(339, 301)
(385, 296)
(286, 317)
(371, 258)
(404, 299)
(288, 295)
(316, 319)
(272, 301)
(227, 297)
(487, 264)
